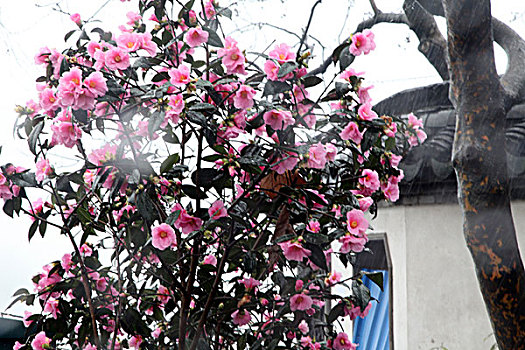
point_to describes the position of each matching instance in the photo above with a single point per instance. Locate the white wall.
(436, 296)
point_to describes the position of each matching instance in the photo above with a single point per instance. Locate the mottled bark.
(480, 161)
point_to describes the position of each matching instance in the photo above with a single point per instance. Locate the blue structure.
(373, 331)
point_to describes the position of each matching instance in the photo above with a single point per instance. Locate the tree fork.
(479, 158)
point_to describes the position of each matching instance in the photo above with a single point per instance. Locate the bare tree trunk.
(480, 161)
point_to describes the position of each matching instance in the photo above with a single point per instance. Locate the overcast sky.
(27, 25)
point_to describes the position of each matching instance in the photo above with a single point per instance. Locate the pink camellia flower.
(294, 251)
(95, 83)
(179, 76)
(163, 236)
(288, 162)
(27, 322)
(76, 18)
(356, 222)
(299, 285)
(135, 341)
(365, 112)
(350, 72)
(41, 342)
(331, 152)
(116, 59)
(52, 307)
(66, 262)
(300, 302)
(365, 203)
(43, 169)
(209, 9)
(278, 120)
(317, 156)
(163, 295)
(48, 100)
(351, 132)
(313, 226)
(217, 210)
(364, 96)
(250, 282)
(85, 250)
(420, 137)
(303, 327)
(282, 53)
(243, 98)
(133, 18)
(352, 243)
(241, 317)
(333, 278)
(271, 69)
(362, 43)
(355, 311)
(342, 342)
(17, 345)
(156, 333)
(195, 37)
(414, 122)
(187, 223)
(370, 180)
(210, 260)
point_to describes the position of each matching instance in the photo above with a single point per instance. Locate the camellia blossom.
(303, 327)
(282, 53)
(351, 132)
(250, 282)
(210, 260)
(217, 210)
(41, 342)
(317, 156)
(294, 251)
(43, 169)
(342, 342)
(370, 180)
(243, 98)
(300, 302)
(163, 236)
(356, 222)
(195, 37)
(179, 76)
(362, 43)
(75, 17)
(116, 59)
(278, 120)
(365, 112)
(241, 317)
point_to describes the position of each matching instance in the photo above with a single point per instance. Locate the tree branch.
(513, 81)
(366, 24)
(431, 43)
(303, 38)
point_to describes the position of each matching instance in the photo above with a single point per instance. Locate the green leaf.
(273, 87)
(168, 163)
(21, 291)
(9, 207)
(193, 192)
(317, 255)
(337, 51)
(197, 118)
(42, 228)
(68, 35)
(361, 294)
(154, 122)
(337, 311)
(204, 177)
(32, 230)
(311, 81)
(376, 277)
(146, 207)
(213, 38)
(286, 68)
(33, 137)
(345, 59)
(170, 220)
(202, 107)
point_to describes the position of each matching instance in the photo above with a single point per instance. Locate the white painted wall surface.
(437, 301)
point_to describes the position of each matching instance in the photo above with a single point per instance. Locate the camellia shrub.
(212, 189)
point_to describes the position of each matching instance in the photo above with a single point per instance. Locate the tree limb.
(431, 43)
(366, 24)
(513, 81)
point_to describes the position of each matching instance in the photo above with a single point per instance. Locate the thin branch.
(376, 10)
(305, 33)
(367, 24)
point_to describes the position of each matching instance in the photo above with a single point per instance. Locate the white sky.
(27, 25)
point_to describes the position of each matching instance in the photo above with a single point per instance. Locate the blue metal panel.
(372, 332)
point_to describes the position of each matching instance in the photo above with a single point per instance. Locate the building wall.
(437, 301)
